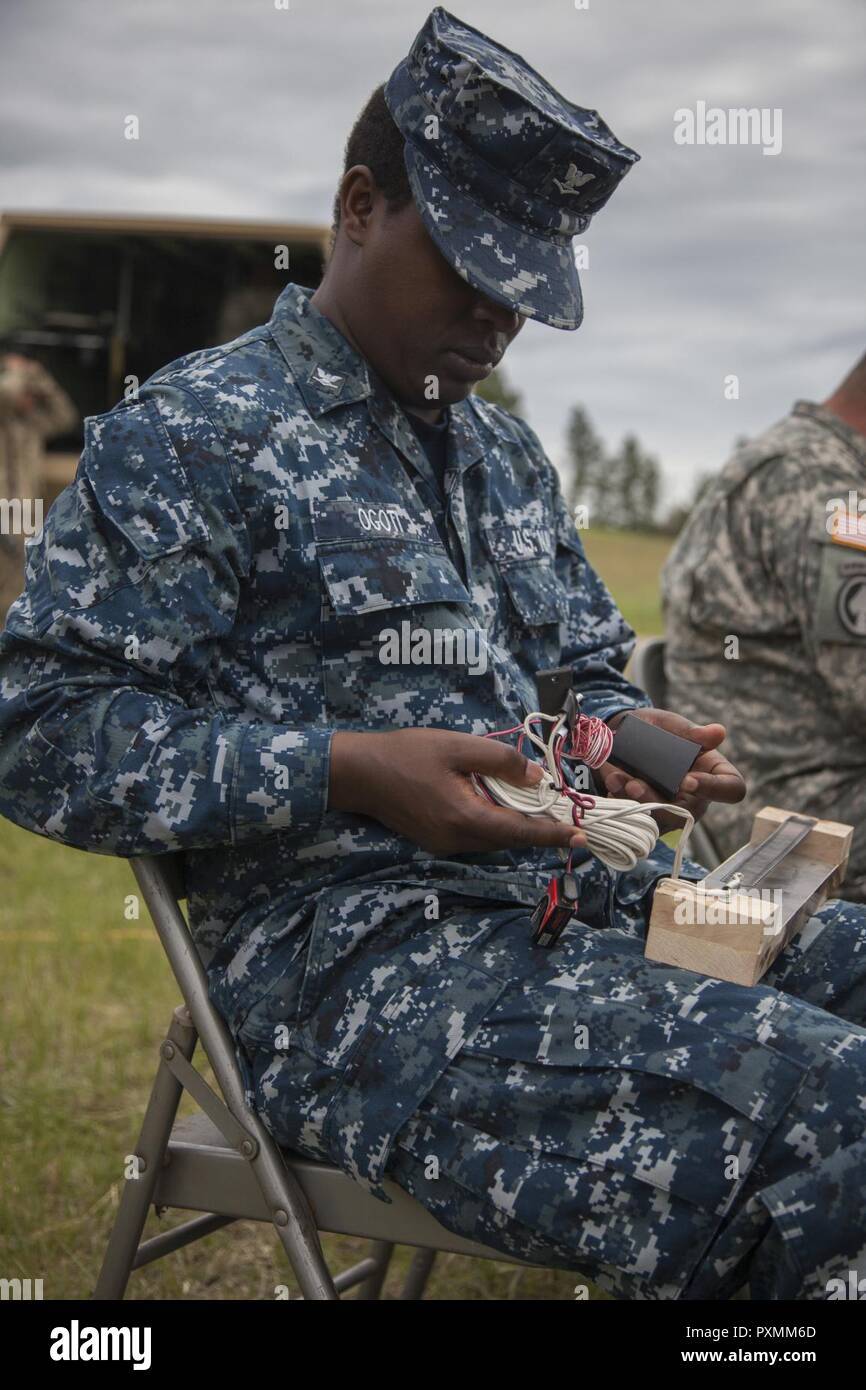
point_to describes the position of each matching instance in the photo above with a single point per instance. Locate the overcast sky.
(709, 259)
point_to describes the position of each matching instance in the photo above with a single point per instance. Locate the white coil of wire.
(619, 832)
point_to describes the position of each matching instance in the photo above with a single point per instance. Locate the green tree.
(648, 493)
(586, 464)
(629, 463)
(630, 482)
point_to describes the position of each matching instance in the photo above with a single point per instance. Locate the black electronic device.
(554, 685)
(654, 755)
(556, 696)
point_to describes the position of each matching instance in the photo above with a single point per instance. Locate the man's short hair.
(375, 140)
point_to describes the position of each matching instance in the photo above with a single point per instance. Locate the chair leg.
(150, 1151)
(302, 1245)
(419, 1272)
(291, 1215)
(381, 1252)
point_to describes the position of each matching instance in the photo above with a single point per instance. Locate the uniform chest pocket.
(388, 603)
(381, 555)
(366, 576)
(523, 557)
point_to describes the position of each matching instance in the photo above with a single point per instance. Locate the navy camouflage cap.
(504, 170)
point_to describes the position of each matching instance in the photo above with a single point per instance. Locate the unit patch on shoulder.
(840, 609)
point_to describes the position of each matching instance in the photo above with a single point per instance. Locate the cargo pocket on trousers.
(401, 1052)
(366, 938)
(382, 1001)
(682, 1105)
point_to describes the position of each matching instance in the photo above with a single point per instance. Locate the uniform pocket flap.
(400, 1054)
(138, 480)
(524, 558)
(594, 1032)
(535, 592)
(705, 1099)
(363, 576)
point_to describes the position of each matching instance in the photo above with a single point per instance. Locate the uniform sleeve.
(111, 736)
(596, 640)
(822, 581)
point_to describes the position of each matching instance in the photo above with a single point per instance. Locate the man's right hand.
(417, 782)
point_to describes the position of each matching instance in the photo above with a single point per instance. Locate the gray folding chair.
(647, 670)
(224, 1164)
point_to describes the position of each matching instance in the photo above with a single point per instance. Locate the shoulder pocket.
(139, 482)
(129, 484)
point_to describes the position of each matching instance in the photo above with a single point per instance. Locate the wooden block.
(829, 841)
(736, 936)
(728, 937)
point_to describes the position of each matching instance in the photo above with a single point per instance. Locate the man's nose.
(504, 319)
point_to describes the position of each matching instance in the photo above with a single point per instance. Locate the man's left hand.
(712, 777)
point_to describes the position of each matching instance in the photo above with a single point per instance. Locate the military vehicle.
(99, 299)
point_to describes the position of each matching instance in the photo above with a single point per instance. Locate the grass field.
(630, 564)
(85, 998)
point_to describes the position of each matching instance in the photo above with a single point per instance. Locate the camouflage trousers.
(665, 1135)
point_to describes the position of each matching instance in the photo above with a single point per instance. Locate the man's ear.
(358, 195)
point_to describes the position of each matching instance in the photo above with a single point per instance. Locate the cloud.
(708, 260)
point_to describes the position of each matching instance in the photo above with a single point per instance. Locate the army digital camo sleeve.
(820, 580)
(111, 738)
(757, 560)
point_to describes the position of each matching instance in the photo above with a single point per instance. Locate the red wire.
(591, 741)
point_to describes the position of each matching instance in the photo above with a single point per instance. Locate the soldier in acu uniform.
(195, 665)
(765, 606)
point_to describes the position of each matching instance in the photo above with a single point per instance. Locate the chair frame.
(224, 1164)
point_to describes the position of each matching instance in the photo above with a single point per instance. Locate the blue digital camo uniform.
(202, 612)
